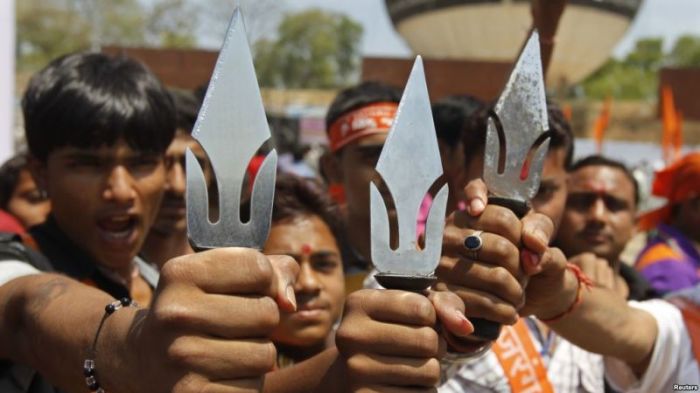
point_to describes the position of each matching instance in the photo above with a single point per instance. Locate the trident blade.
(409, 164)
(231, 127)
(522, 113)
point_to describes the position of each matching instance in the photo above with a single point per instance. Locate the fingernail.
(531, 258)
(476, 206)
(466, 326)
(291, 296)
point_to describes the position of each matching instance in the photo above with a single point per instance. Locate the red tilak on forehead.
(598, 187)
(306, 249)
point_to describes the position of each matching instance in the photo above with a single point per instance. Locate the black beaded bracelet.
(89, 369)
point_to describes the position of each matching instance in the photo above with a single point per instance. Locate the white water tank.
(494, 30)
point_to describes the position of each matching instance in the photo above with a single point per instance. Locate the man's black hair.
(450, 115)
(560, 134)
(187, 104)
(297, 197)
(358, 96)
(90, 99)
(9, 176)
(598, 160)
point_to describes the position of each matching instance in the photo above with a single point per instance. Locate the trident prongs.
(521, 112)
(231, 127)
(409, 165)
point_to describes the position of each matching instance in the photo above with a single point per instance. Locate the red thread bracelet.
(583, 282)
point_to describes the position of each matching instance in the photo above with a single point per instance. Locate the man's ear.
(39, 172)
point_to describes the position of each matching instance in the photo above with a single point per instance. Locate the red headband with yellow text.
(371, 119)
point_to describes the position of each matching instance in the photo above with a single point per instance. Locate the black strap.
(12, 248)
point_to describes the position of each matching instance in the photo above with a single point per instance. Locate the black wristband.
(89, 368)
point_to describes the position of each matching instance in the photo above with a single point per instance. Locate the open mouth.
(117, 230)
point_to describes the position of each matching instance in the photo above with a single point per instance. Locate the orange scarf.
(521, 363)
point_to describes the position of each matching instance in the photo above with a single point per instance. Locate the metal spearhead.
(409, 165)
(519, 122)
(517, 128)
(231, 127)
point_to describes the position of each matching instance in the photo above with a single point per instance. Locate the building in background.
(494, 31)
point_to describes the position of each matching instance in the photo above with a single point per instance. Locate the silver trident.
(409, 165)
(231, 127)
(520, 121)
(517, 128)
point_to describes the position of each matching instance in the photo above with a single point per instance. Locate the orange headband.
(370, 119)
(678, 182)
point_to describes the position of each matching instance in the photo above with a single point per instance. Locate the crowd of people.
(100, 289)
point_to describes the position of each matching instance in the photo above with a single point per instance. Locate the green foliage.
(634, 77)
(313, 49)
(686, 52)
(47, 29)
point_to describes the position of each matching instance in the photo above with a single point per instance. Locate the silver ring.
(473, 244)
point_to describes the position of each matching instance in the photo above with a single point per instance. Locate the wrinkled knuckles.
(503, 249)
(182, 352)
(432, 373)
(266, 314)
(505, 221)
(258, 269)
(262, 360)
(427, 342)
(178, 269)
(422, 310)
(172, 315)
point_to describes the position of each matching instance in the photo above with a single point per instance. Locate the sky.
(657, 18)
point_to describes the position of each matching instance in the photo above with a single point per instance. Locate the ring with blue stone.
(473, 244)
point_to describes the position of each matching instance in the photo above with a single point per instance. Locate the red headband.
(371, 119)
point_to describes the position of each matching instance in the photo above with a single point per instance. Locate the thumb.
(477, 196)
(449, 309)
(285, 270)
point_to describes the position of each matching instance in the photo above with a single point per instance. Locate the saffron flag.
(601, 124)
(671, 137)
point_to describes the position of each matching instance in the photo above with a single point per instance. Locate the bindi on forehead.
(306, 249)
(601, 181)
(598, 186)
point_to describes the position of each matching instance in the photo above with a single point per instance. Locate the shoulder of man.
(16, 378)
(14, 248)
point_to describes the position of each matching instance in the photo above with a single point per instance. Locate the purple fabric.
(680, 271)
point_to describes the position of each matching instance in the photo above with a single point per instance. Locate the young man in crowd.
(648, 346)
(671, 258)
(306, 226)
(167, 238)
(599, 219)
(559, 365)
(19, 194)
(358, 122)
(97, 129)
